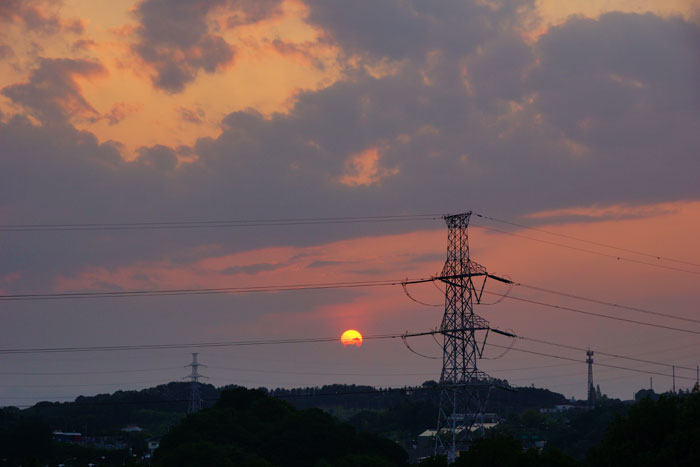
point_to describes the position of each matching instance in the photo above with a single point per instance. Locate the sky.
(578, 118)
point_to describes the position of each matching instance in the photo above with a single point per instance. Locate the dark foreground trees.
(665, 432)
(246, 427)
(500, 450)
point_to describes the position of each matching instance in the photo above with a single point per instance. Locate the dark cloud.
(323, 263)
(119, 112)
(401, 29)
(252, 11)
(52, 93)
(6, 51)
(159, 157)
(195, 116)
(174, 36)
(597, 111)
(629, 97)
(38, 15)
(83, 44)
(175, 40)
(252, 268)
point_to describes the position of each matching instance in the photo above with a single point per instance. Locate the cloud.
(52, 92)
(363, 169)
(175, 37)
(252, 11)
(159, 157)
(39, 15)
(251, 268)
(119, 112)
(503, 126)
(195, 116)
(401, 29)
(84, 44)
(6, 51)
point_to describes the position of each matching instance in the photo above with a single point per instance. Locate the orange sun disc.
(351, 337)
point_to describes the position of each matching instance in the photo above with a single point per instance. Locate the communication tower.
(591, 388)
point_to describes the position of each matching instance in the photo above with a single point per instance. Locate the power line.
(215, 223)
(607, 354)
(311, 373)
(585, 250)
(340, 285)
(204, 344)
(611, 304)
(560, 357)
(96, 372)
(76, 385)
(202, 291)
(350, 284)
(433, 279)
(591, 313)
(590, 242)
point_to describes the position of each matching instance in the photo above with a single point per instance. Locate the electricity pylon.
(462, 383)
(195, 402)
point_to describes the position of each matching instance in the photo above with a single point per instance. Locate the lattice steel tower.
(463, 385)
(591, 388)
(195, 403)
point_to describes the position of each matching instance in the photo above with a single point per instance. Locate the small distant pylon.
(591, 388)
(195, 402)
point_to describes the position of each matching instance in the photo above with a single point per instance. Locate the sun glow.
(351, 337)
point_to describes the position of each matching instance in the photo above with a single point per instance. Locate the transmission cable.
(306, 340)
(584, 250)
(215, 223)
(560, 357)
(590, 242)
(607, 354)
(96, 372)
(201, 291)
(599, 315)
(602, 302)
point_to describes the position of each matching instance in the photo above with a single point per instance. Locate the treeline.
(245, 424)
(154, 409)
(651, 433)
(248, 427)
(502, 398)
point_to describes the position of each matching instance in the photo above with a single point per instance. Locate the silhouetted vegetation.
(154, 409)
(247, 427)
(252, 428)
(573, 431)
(653, 432)
(504, 451)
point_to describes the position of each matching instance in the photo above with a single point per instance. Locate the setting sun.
(351, 337)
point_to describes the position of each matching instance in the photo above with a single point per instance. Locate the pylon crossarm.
(500, 279)
(481, 291)
(483, 343)
(503, 333)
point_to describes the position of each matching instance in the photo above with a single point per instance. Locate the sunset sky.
(580, 118)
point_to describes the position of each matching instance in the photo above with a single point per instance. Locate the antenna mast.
(591, 388)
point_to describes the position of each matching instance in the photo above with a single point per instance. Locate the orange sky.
(111, 95)
(262, 76)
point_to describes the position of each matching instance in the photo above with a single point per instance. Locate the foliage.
(654, 432)
(504, 451)
(247, 427)
(22, 438)
(155, 409)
